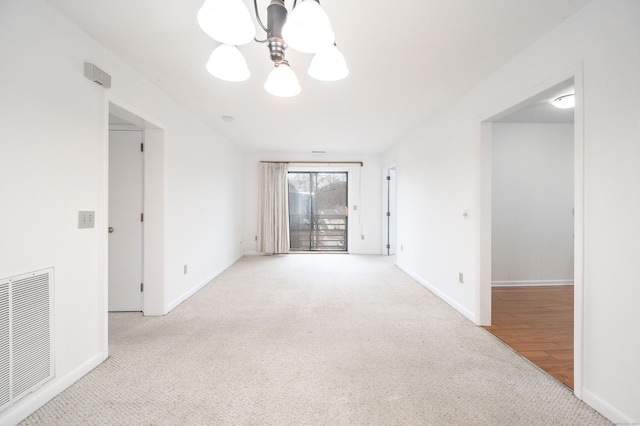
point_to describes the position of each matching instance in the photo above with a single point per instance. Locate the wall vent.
(96, 75)
(26, 331)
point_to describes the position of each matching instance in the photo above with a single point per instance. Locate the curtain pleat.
(274, 209)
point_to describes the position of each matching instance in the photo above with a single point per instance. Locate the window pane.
(299, 210)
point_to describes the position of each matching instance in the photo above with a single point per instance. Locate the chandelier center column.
(276, 18)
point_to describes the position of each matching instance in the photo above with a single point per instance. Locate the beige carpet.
(312, 339)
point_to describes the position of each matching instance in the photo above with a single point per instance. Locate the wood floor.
(538, 323)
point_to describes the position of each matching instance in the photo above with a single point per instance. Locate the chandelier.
(306, 29)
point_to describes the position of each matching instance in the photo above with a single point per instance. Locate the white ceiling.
(408, 59)
(540, 110)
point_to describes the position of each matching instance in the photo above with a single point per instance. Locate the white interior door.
(125, 220)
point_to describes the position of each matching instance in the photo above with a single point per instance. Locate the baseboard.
(607, 410)
(30, 403)
(375, 252)
(455, 305)
(530, 283)
(199, 286)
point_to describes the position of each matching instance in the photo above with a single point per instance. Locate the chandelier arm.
(255, 5)
(259, 41)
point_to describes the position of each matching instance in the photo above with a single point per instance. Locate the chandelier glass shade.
(306, 28)
(282, 81)
(328, 65)
(227, 21)
(227, 63)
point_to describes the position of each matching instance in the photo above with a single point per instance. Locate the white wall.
(53, 157)
(439, 174)
(365, 191)
(532, 203)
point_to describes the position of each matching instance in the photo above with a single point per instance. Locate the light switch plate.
(86, 219)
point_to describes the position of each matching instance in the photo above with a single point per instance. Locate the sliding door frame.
(353, 197)
(313, 186)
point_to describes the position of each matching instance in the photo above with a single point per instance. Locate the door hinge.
(141, 147)
(141, 286)
(141, 217)
(388, 214)
(388, 177)
(388, 246)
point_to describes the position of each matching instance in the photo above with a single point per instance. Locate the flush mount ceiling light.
(306, 28)
(565, 101)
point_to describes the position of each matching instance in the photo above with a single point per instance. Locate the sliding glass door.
(318, 211)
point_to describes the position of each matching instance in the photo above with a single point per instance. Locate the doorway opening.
(531, 167)
(318, 211)
(129, 129)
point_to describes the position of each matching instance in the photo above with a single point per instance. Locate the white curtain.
(274, 209)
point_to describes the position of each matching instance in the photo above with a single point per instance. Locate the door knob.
(111, 229)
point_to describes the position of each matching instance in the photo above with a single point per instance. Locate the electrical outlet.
(460, 277)
(256, 238)
(362, 237)
(355, 207)
(86, 219)
(401, 247)
(185, 269)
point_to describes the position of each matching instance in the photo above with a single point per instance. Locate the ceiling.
(539, 108)
(407, 59)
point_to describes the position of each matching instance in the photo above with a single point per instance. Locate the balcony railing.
(320, 232)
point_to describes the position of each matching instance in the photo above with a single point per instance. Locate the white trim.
(455, 305)
(147, 121)
(607, 410)
(530, 283)
(198, 287)
(579, 233)
(367, 253)
(155, 227)
(30, 403)
(124, 127)
(103, 237)
(483, 226)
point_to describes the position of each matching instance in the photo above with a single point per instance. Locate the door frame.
(154, 221)
(353, 193)
(483, 206)
(346, 231)
(386, 207)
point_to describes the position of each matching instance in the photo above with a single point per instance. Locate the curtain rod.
(360, 163)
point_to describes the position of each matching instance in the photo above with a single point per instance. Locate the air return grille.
(26, 326)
